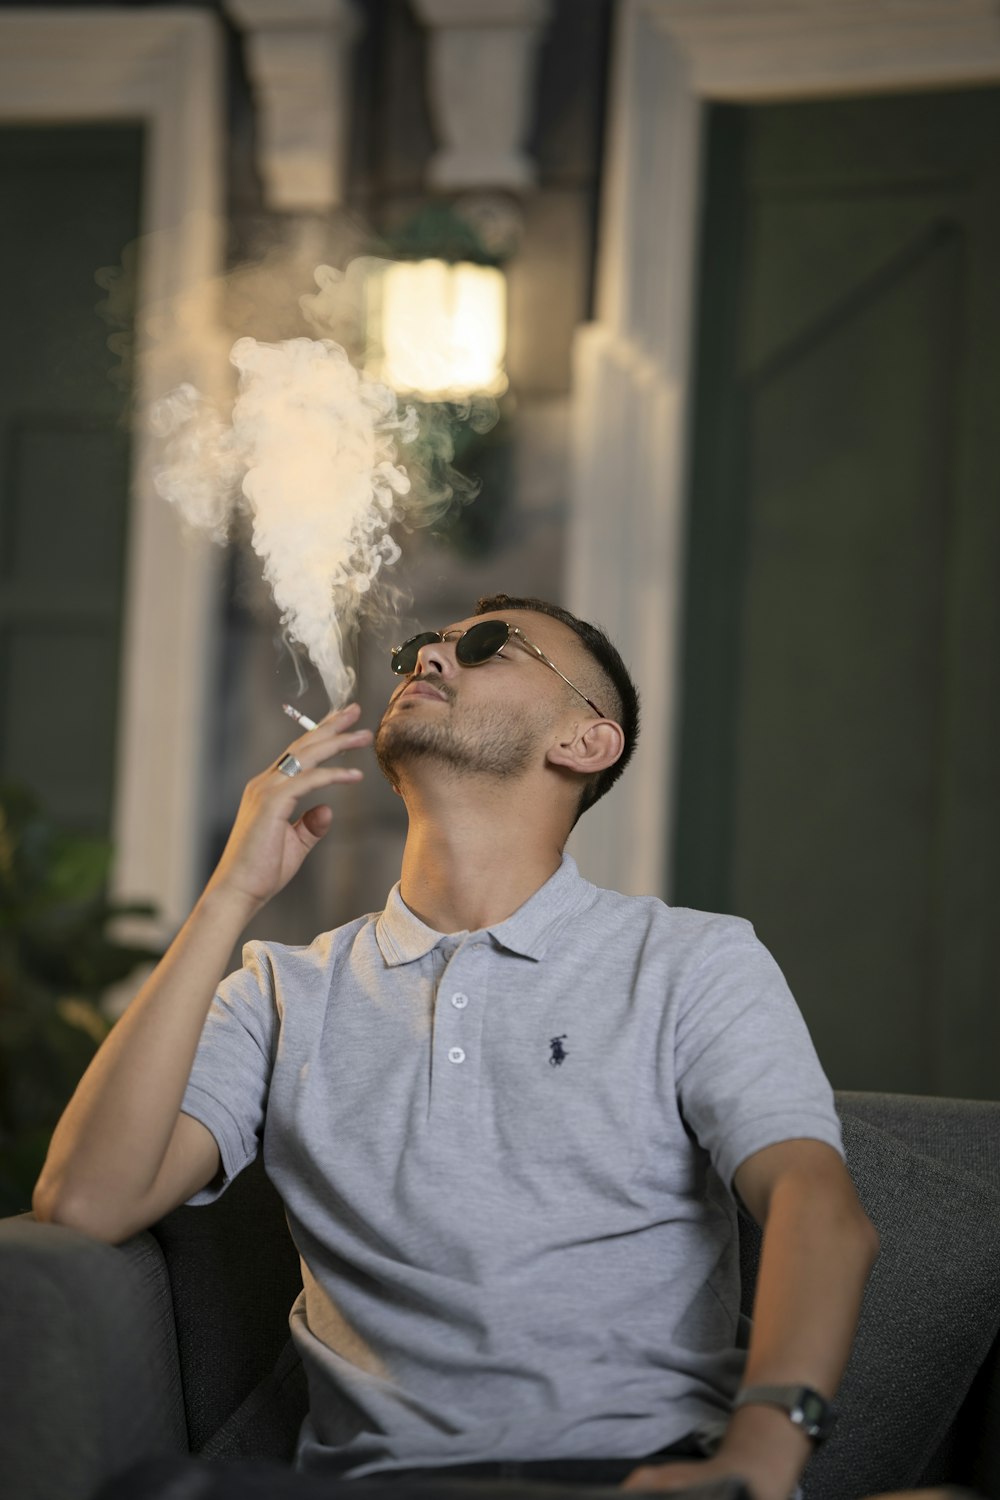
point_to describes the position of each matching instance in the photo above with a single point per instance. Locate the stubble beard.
(483, 740)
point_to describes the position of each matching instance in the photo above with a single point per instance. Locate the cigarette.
(293, 713)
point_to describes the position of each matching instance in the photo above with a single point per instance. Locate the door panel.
(69, 202)
(839, 744)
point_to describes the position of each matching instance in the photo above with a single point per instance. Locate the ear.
(593, 747)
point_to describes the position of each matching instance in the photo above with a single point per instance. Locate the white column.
(298, 55)
(481, 80)
(625, 568)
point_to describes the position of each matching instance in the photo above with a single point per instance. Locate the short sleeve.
(228, 1086)
(746, 1069)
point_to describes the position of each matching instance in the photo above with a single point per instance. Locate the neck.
(475, 854)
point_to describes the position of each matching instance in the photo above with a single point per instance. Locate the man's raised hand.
(268, 843)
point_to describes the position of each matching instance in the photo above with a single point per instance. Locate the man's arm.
(122, 1154)
(818, 1248)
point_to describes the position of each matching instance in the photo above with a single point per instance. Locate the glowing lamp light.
(437, 330)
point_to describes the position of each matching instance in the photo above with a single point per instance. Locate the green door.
(840, 744)
(69, 202)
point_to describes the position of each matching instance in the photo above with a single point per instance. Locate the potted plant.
(58, 958)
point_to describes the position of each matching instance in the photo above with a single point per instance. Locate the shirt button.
(460, 1001)
(456, 1055)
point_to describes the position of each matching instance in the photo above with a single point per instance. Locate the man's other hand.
(691, 1474)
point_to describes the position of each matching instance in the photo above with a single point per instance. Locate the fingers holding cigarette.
(268, 842)
(335, 736)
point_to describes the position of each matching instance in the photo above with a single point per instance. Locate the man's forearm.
(113, 1134)
(817, 1252)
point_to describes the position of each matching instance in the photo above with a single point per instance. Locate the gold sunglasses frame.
(512, 630)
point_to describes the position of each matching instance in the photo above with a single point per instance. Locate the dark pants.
(184, 1478)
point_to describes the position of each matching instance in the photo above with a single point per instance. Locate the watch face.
(813, 1408)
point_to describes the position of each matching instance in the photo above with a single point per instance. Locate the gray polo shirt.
(506, 1158)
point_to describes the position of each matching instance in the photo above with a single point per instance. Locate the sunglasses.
(474, 646)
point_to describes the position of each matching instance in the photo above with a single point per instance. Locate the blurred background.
(746, 353)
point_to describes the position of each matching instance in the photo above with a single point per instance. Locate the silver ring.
(288, 765)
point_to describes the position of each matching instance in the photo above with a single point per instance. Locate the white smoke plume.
(310, 454)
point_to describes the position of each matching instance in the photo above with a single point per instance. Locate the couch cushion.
(234, 1274)
(267, 1423)
(963, 1133)
(931, 1312)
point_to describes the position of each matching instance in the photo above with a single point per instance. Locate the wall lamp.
(436, 311)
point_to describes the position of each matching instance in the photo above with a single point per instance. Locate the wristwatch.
(806, 1407)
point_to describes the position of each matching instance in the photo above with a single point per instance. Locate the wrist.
(765, 1446)
(222, 903)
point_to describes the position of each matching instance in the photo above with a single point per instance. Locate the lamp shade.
(437, 329)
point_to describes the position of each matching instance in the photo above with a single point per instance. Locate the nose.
(437, 657)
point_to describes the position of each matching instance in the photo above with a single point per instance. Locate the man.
(509, 1116)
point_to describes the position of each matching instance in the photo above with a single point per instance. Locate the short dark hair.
(624, 710)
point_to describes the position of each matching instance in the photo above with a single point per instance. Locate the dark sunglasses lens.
(404, 658)
(480, 642)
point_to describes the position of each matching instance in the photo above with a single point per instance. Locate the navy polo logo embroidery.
(559, 1053)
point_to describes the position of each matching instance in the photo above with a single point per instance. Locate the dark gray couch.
(178, 1339)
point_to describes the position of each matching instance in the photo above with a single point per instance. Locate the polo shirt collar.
(402, 937)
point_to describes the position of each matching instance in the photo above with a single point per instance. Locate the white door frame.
(161, 68)
(632, 365)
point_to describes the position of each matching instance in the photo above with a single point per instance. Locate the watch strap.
(810, 1411)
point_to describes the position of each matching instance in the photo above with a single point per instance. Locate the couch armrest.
(89, 1378)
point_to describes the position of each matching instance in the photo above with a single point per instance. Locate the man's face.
(492, 719)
